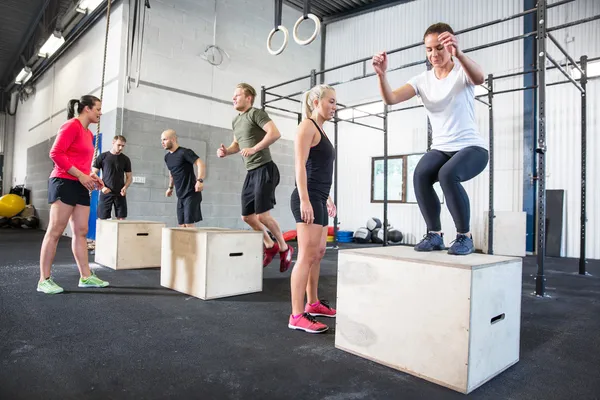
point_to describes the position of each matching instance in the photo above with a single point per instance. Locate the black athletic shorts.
(189, 209)
(69, 191)
(106, 202)
(319, 205)
(258, 193)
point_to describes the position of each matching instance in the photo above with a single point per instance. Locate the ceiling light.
(23, 76)
(87, 6)
(52, 44)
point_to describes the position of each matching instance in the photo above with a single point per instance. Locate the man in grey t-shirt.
(253, 133)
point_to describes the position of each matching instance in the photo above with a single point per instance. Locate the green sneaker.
(49, 287)
(92, 281)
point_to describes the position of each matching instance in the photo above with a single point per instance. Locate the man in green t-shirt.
(253, 133)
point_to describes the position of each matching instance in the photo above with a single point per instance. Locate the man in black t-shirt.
(180, 162)
(116, 174)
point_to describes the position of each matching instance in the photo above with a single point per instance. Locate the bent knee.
(80, 231)
(248, 218)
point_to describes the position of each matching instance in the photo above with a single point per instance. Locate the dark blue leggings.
(450, 169)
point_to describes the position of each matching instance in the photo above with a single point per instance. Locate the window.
(400, 179)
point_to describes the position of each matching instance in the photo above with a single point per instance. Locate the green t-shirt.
(248, 131)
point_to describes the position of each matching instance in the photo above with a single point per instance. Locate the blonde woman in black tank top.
(312, 207)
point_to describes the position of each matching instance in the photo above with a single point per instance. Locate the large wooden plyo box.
(510, 233)
(127, 244)
(452, 320)
(210, 263)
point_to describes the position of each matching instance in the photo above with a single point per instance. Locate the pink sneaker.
(307, 323)
(320, 309)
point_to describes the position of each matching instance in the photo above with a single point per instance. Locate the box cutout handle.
(497, 318)
(142, 234)
(236, 254)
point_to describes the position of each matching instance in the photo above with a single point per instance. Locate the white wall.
(563, 124)
(177, 33)
(77, 72)
(403, 25)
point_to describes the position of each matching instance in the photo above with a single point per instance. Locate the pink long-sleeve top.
(73, 147)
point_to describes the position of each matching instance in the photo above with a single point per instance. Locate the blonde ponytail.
(309, 97)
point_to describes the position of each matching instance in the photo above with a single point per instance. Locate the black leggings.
(450, 169)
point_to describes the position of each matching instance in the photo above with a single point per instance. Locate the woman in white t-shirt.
(458, 153)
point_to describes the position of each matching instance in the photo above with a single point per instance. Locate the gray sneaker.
(431, 242)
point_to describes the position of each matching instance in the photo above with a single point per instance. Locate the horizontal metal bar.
(498, 21)
(514, 74)
(405, 108)
(573, 62)
(553, 61)
(283, 98)
(578, 22)
(481, 101)
(358, 123)
(563, 82)
(535, 70)
(558, 3)
(362, 104)
(499, 42)
(279, 97)
(361, 117)
(282, 109)
(288, 82)
(516, 90)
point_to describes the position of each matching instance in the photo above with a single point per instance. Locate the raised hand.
(380, 63)
(450, 43)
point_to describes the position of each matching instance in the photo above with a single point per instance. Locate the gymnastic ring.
(286, 36)
(317, 22)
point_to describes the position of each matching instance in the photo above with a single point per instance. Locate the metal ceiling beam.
(30, 31)
(379, 5)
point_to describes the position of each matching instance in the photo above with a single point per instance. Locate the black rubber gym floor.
(137, 340)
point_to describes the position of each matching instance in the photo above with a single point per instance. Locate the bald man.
(188, 185)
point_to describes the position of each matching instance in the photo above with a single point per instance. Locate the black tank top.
(319, 166)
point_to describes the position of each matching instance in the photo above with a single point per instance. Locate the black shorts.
(69, 191)
(319, 205)
(106, 202)
(189, 209)
(258, 193)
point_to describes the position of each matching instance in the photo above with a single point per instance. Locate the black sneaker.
(430, 242)
(461, 246)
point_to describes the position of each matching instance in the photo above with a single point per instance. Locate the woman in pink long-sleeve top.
(69, 189)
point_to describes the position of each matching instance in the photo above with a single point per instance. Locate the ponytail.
(309, 97)
(85, 101)
(71, 108)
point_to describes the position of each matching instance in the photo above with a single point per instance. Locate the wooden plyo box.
(210, 263)
(510, 233)
(128, 244)
(452, 320)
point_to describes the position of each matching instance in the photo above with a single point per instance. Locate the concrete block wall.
(224, 177)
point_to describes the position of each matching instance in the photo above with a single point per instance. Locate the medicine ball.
(32, 222)
(395, 236)
(373, 223)
(16, 222)
(362, 235)
(377, 235)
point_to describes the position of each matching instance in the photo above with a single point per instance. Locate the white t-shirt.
(450, 106)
